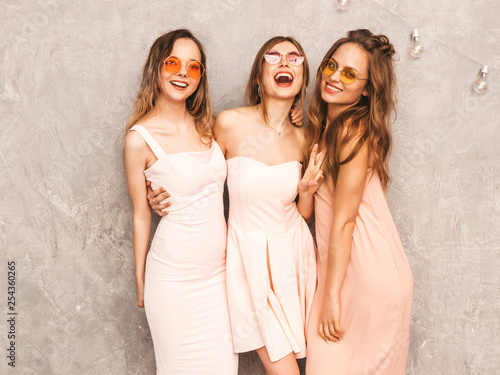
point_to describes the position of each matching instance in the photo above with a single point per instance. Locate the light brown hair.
(252, 96)
(368, 120)
(198, 104)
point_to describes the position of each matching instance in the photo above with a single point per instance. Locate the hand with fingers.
(313, 176)
(329, 324)
(157, 196)
(296, 116)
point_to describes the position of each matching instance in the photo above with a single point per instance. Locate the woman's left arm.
(348, 193)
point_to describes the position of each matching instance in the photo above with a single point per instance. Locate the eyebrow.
(275, 50)
(191, 60)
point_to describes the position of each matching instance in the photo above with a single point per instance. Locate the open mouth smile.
(332, 89)
(283, 79)
(179, 85)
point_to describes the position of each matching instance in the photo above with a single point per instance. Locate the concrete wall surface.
(69, 72)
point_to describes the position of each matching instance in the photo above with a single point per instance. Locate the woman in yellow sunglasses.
(360, 321)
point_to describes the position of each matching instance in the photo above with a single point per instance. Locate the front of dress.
(271, 268)
(375, 297)
(185, 294)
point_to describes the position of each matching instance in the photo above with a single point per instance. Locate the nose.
(336, 75)
(283, 60)
(183, 71)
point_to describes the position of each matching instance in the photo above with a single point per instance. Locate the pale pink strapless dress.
(271, 268)
(185, 288)
(376, 295)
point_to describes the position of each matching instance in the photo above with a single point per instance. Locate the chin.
(179, 96)
(327, 98)
(285, 94)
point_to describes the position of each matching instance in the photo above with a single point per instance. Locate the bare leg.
(285, 366)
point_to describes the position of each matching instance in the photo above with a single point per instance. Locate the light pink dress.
(271, 268)
(376, 294)
(185, 288)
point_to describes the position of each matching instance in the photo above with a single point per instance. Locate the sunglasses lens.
(328, 67)
(195, 69)
(348, 76)
(272, 57)
(295, 58)
(173, 64)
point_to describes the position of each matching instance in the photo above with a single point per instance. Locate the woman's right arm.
(134, 159)
(309, 184)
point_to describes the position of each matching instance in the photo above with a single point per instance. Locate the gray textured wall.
(68, 75)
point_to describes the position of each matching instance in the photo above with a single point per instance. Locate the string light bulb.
(343, 4)
(416, 48)
(480, 85)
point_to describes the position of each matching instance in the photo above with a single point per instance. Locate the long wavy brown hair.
(367, 120)
(198, 104)
(252, 96)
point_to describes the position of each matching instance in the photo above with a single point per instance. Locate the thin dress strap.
(155, 147)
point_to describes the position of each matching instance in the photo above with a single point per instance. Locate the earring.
(258, 90)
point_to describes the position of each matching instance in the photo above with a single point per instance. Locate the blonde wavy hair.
(252, 96)
(198, 104)
(367, 120)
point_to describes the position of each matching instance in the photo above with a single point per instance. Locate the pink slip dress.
(376, 294)
(271, 265)
(185, 287)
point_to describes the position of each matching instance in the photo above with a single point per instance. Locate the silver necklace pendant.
(273, 129)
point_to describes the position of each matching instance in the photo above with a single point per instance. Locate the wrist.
(306, 195)
(332, 294)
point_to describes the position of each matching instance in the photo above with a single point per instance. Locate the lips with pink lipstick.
(179, 85)
(332, 89)
(283, 78)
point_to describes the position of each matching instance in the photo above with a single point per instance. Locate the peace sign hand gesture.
(313, 176)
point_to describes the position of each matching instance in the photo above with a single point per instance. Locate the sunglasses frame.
(283, 54)
(186, 65)
(327, 61)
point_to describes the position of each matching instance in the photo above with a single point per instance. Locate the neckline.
(260, 162)
(193, 152)
(158, 160)
(173, 153)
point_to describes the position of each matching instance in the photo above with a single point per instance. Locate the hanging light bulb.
(343, 4)
(416, 48)
(480, 84)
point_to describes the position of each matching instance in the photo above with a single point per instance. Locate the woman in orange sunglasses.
(360, 320)
(181, 281)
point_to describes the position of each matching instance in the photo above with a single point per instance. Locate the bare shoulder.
(299, 132)
(225, 118)
(134, 141)
(230, 119)
(230, 116)
(356, 144)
